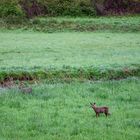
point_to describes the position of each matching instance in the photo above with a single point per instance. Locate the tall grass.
(62, 111)
(64, 24)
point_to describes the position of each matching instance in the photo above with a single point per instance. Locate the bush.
(70, 7)
(10, 8)
(15, 20)
(105, 7)
(32, 8)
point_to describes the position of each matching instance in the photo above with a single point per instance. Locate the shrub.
(32, 8)
(70, 7)
(15, 20)
(104, 7)
(10, 8)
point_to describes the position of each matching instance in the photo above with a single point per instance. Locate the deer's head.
(93, 104)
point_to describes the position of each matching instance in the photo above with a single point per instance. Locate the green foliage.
(49, 7)
(62, 7)
(109, 7)
(15, 20)
(70, 7)
(10, 8)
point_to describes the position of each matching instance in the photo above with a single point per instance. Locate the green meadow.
(70, 63)
(62, 111)
(29, 49)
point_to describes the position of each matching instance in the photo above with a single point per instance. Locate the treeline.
(109, 7)
(31, 8)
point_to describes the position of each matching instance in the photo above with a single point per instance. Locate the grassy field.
(61, 111)
(59, 106)
(93, 51)
(30, 49)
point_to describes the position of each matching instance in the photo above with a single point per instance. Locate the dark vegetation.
(31, 8)
(108, 7)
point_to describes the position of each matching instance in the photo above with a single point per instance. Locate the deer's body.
(25, 90)
(99, 110)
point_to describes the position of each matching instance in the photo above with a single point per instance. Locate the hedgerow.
(31, 8)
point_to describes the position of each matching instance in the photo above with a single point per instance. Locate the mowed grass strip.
(62, 111)
(30, 49)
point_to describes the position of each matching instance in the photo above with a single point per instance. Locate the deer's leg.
(106, 114)
(96, 115)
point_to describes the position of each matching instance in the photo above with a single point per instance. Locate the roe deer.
(99, 110)
(25, 90)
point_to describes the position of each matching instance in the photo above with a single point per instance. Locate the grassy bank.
(59, 24)
(61, 111)
(68, 74)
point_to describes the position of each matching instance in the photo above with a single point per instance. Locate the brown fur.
(99, 110)
(25, 90)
